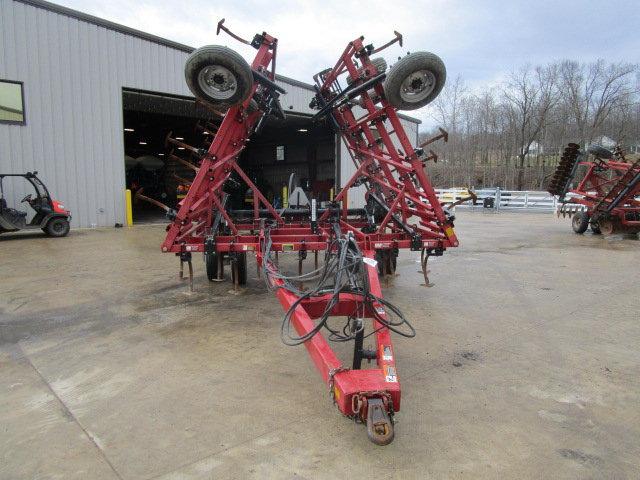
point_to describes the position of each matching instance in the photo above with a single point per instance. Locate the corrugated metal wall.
(73, 73)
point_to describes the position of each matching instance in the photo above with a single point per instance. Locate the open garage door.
(296, 146)
(150, 169)
(292, 152)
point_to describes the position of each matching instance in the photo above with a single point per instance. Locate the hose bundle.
(343, 272)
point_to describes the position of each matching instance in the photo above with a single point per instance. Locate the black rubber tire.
(57, 227)
(225, 57)
(378, 62)
(404, 68)
(580, 222)
(242, 268)
(599, 151)
(394, 259)
(595, 228)
(379, 258)
(211, 264)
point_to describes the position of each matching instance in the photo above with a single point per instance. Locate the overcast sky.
(480, 40)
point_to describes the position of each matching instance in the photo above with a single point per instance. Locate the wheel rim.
(57, 227)
(606, 226)
(577, 220)
(417, 86)
(218, 82)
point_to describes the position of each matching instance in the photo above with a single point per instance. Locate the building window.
(279, 153)
(11, 102)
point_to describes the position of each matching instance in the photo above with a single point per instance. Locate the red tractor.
(598, 188)
(50, 215)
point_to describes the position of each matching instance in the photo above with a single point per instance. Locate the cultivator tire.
(240, 268)
(387, 261)
(211, 261)
(57, 227)
(580, 222)
(595, 228)
(218, 75)
(600, 152)
(609, 226)
(415, 80)
(378, 62)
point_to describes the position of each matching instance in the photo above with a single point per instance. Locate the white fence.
(502, 199)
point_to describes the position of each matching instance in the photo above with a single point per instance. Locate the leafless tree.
(493, 129)
(530, 95)
(592, 92)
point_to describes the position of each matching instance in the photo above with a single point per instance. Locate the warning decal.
(390, 375)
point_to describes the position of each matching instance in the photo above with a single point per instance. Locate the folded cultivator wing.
(598, 188)
(360, 97)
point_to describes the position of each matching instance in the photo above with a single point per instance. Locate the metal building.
(76, 76)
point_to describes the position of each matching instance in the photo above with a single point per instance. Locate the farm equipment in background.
(598, 188)
(359, 244)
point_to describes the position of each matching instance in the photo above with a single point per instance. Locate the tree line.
(511, 135)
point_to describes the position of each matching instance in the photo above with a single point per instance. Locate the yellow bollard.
(129, 207)
(285, 197)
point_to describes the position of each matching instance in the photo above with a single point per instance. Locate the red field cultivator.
(598, 188)
(401, 210)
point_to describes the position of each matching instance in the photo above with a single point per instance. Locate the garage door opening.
(295, 153)
(150, 169)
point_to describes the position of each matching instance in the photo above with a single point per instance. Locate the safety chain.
(359, 403)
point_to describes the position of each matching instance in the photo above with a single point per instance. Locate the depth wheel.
(213, 265)
(607, 226)
(580, 222)
(595, 228)
(599, 152)
(218, 75)
(241, 268)
(378, 62)
(415, 80)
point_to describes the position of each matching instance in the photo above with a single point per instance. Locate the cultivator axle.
(607, 197)
(359, 244)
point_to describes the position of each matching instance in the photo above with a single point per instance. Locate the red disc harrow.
(598, 188)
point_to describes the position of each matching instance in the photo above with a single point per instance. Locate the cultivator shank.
(359, 244)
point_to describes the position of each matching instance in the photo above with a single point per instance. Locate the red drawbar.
(347, 383)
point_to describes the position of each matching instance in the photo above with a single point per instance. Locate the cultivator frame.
(606, 197)
(402, 211)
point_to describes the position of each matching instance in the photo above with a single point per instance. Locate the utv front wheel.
(57, 227)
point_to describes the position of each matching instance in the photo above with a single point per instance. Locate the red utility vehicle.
(50, 215)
